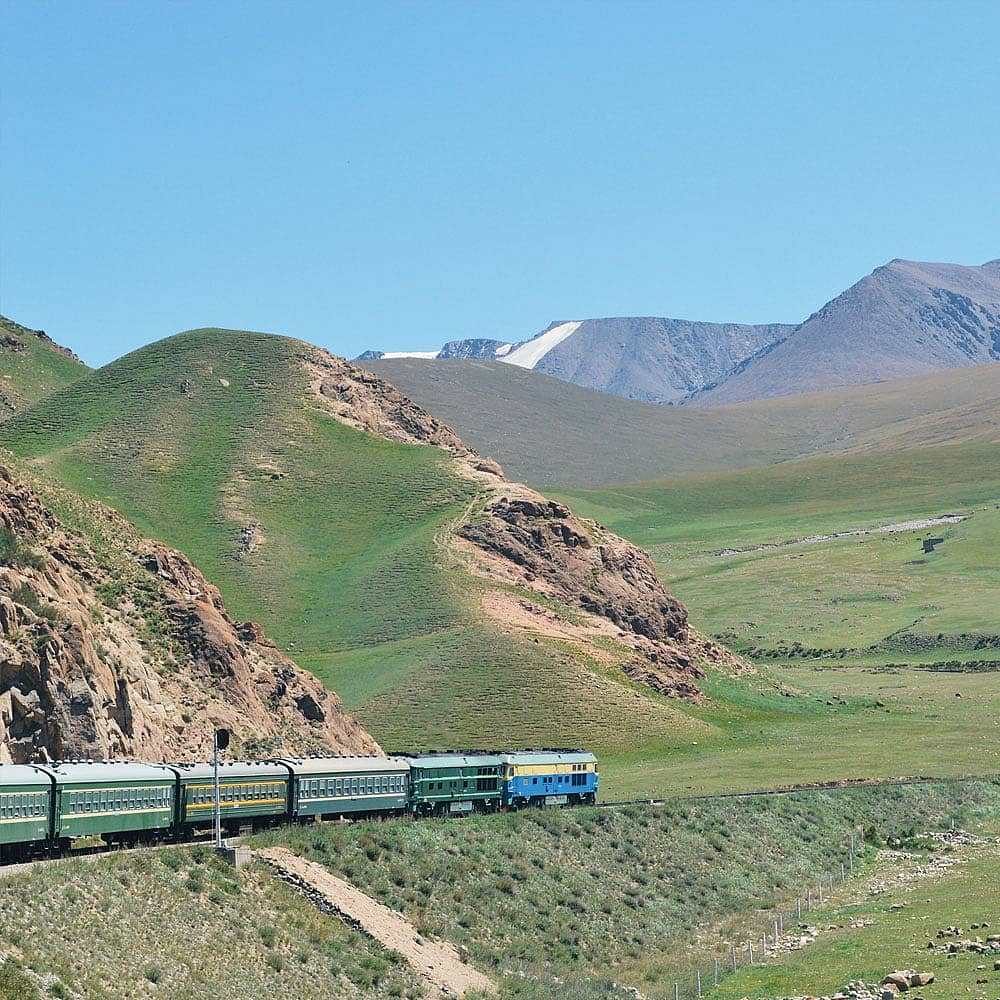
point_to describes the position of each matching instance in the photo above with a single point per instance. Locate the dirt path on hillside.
(436, 962)
(884, 529)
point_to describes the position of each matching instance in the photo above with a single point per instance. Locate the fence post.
(697, 980)
(843, 873)
(777, 934)
(809, 901)
(798, 909)
(715, 972)
(677, 991)
(763, 946)
(750, 946)
(733, 946)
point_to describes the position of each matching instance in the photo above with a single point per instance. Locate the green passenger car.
(453, 782)
(248, 791)
(348, 785)
(25, 810)
(117, 801)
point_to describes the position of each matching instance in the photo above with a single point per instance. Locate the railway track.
(826, 786)
(94, 853)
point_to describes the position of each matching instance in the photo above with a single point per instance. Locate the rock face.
(540, 545)
(474, 348)
(125, 650)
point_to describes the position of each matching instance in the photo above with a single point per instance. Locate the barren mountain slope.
(114, 646)
(393, 561)
(905, 318)
(638, 357)
(654, 359)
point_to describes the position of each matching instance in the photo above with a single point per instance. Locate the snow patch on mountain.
(528, 355)
(428, 355)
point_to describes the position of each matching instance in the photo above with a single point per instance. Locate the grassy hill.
(213, 439)
(552, 433)
(31, 367)
(568, 903)
(83, 929)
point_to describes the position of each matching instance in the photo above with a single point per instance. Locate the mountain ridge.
(904, 318)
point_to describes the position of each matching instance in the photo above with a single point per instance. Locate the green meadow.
(891, 931)
(873, 597)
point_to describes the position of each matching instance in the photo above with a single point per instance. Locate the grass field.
(839, 597)
(891, 932)
(180, 923)
(33, 371)
(567, 902)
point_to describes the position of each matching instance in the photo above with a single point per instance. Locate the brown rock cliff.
(130, 652)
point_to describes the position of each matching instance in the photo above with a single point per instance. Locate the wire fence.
(771, 934)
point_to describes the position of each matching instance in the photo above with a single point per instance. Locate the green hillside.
(555, 434)
(861, 598)
(197, 437)
(31, 367)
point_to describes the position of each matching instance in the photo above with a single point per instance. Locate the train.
(51, 808)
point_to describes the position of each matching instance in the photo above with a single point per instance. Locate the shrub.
(171, 859)
(153, 973)
(14, 553)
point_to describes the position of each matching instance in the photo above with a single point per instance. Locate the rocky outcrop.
(519, 537)
(363, 400)
(127, 651)
(15, 334)
(542, 546)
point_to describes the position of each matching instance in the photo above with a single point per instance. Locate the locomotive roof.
(234, 769)
(23, 774)
(452, 758)
(548, 757)
(342, 764)
(84, 772)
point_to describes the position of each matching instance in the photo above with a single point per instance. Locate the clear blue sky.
(397, 175)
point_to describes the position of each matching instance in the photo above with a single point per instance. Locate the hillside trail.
(437, 962)
(882, 529)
